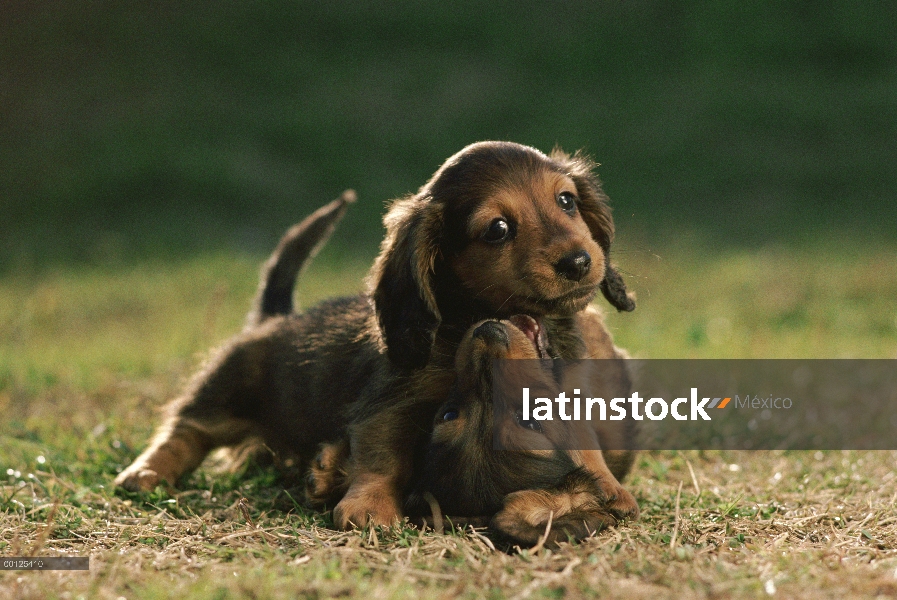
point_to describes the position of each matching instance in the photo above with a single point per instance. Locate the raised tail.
(298, 245)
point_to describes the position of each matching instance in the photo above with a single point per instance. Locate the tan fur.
(372, 370)
(439, 272)
(573, 483)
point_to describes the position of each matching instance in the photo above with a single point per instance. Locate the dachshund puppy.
(251, 389)
(541, 473)
(501, 229)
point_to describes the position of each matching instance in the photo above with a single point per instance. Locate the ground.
(87, 356)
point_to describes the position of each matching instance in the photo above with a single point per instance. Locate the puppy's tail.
(298, 245)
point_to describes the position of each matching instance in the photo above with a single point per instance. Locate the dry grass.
(714, 524)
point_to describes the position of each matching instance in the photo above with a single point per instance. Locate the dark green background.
(131, 130)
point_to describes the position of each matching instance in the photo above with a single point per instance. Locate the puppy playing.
(540, 475)
(500, 229)
(247, 388)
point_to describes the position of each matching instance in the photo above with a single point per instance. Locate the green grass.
(88, 356)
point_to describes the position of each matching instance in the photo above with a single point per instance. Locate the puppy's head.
(462, 468)
(500, 229)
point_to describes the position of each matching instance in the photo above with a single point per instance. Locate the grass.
(87, 357)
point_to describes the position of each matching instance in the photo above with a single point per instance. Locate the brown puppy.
(500, 229)
(248, 388)
(541, 474)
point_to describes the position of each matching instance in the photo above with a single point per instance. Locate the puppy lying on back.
(540, 474)
(500, 229)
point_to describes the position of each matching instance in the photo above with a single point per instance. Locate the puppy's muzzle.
(493, 333)
(574, 266)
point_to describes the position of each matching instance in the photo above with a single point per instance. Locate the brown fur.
(516, 491)
(382, 363)
(438, 274)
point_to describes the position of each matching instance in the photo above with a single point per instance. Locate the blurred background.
(152, 153)
(131, 130)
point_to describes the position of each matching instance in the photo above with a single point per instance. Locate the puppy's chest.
(564, 339)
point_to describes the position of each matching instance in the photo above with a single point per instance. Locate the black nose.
(492, 332)
(574, 266)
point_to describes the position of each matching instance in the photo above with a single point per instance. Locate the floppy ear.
(596, 213)
(401, 281)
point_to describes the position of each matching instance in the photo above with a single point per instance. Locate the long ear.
(596, 213)
(401, 281)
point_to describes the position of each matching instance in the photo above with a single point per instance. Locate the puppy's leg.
(604, 452)
(576, 509)
(616, 499)
(382, 448)
(372, 499)
(380, 469)
(383, 442)
(217, 410)
(327, 478)
(585, 450)
(178, 448)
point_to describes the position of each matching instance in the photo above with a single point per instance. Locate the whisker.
(637, 250)
(497, 310)
(630, 274)
(477, 295)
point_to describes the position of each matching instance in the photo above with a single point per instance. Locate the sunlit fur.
(536, 476)
(374, 368)
(436, 273)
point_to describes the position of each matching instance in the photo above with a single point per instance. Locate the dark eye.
(450, 415)
(498, 231)
(567, 202)
(531, 424)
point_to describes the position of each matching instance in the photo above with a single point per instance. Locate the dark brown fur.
(515, 491)
(251, 388)
(383, 363)
(437, 275)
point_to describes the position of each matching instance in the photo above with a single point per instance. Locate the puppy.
(249, 390)
(501, 229)
(541, 473)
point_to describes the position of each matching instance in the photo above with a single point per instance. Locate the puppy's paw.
(524, 518)
(368, 503)
(619, 502)
(577, 508)
(137, 478)
(326, 480)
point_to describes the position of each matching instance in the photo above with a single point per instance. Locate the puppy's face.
(462, 468)
(526, 247)
(500, 229)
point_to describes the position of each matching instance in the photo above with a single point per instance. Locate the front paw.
(137, 478)
(524, 518)
(577, 508)
(367, 504)
(620, 503)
